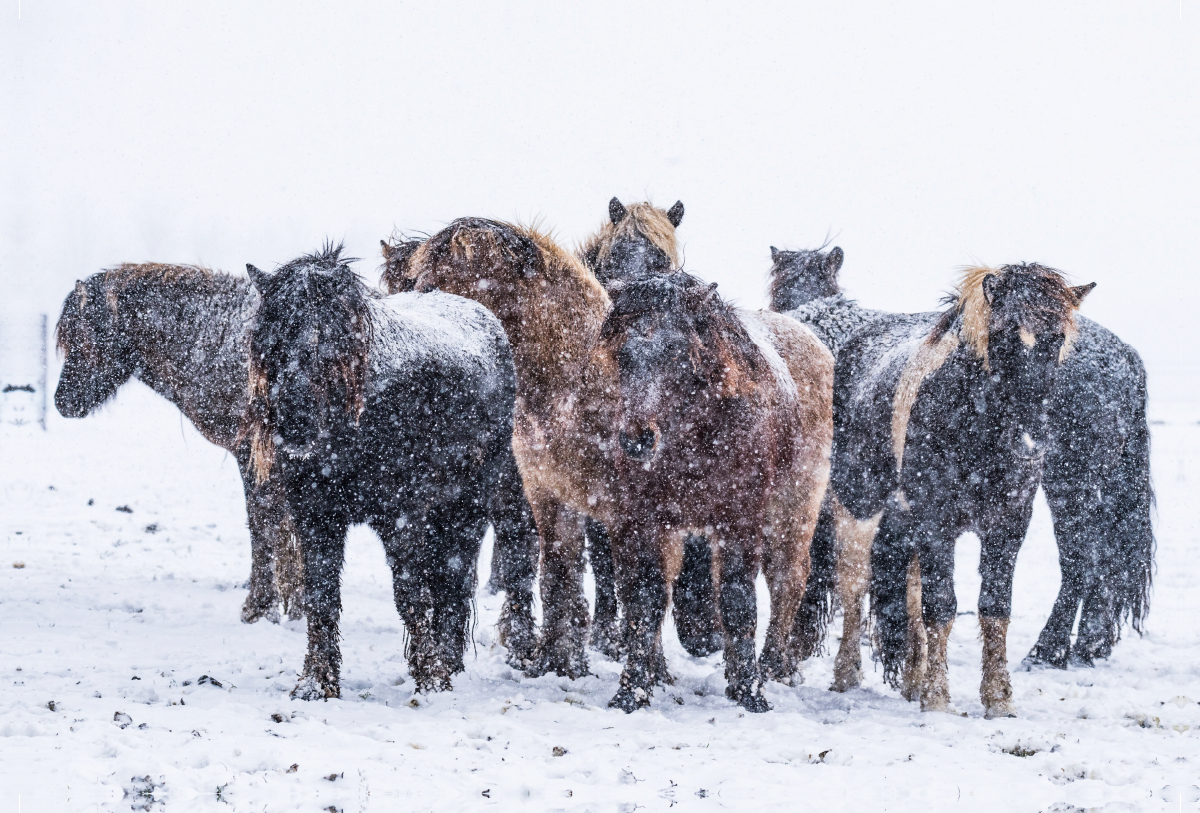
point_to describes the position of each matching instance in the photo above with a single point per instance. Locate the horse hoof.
(630, 700)
(999, 710)
(754, 703)
(492, 587)
(253, 611)
(608, 640)
(562, 660)
(1057, 659)
(939, 705)
(701, 646)
(309, 688)
(843, 683)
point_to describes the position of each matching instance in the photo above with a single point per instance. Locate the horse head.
(637, 240)
(1020, 320)
(98, 352)
(678, 350)
(798, 277)
(397, 254)
(308, 353)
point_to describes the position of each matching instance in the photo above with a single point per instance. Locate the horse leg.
(323, 544)
(264, 512)
(457, 531)
(515, 559)
(739, 615)
(642, 581)
(816, 608)
(997, 560)
(786, 561)
(562, 648)
(608, 635)
(694, 602)
(1071, 512)
(917, 660)
(935, 551)
(854, 540)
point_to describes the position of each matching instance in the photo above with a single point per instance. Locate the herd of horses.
(606, 407)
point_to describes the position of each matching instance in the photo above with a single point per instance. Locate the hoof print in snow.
(122, 719)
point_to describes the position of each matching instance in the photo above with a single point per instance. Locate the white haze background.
(919, 136)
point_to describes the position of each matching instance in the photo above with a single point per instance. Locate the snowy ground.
(109, 618)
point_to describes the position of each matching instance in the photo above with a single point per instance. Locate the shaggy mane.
(721, 350)
(1039, 294)
(314, 293)
(645, 219)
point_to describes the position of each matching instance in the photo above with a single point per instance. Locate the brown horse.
(634, 240)
(725, 428)
(552, 308)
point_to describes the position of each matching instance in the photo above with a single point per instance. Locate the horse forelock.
(1035, 298)
(722, 350)
(644, 219)
(315, 296)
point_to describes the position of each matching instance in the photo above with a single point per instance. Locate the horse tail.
(1134, 501)
(891, 554)
(816, 608)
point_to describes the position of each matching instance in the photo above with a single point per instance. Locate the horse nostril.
(639, 448)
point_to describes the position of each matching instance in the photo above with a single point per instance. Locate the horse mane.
(1034, 294)
(645, 219)
(787, 271)
(720, 348)
(397, 253)
(111, 283)
(316, 293)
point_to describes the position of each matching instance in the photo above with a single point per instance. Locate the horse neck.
(552, 338)
(197, 362)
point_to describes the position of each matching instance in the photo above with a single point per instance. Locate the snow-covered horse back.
(185, 332)
(395, 412)
(941, 427)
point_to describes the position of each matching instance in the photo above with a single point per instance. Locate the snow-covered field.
(115, 617)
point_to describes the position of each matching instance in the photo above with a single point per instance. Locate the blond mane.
(645, 219)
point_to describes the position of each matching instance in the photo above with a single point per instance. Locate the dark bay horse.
(724, 430)
(395, 412)
(184, 332)
(941, 427)
(1096, 472)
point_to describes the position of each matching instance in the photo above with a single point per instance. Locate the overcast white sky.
(920, 135)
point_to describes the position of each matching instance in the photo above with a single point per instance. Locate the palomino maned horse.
(184, 332)
(395, 412)
(637, 239)
(724, 430)
(568, 414)
(940, 427)
(1096, 475)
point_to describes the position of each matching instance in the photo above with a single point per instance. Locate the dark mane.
(315, 299)
(795, 274)
(720, 344)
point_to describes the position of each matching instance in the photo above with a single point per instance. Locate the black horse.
(396, 412)
(185, 332)
(1096, 473)
(941, 423)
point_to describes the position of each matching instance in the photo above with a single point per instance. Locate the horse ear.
(833, 263)
(710, 293)
(258, 277)
(616, 212)
(991, 286)
(386, 249)
(675, 214)
(1081, 291)
(774, 254)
